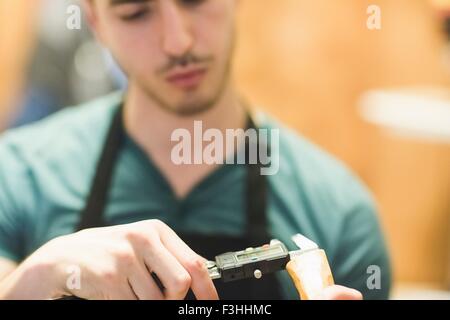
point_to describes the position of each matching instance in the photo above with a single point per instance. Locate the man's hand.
(115, 263)
(339, 293)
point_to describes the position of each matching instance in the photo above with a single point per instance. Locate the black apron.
(256, 231)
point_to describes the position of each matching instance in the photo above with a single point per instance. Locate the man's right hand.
(114, 263)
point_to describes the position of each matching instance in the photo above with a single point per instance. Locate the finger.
(201, 283)
(340, 293)
(175, 279)
(144, 286)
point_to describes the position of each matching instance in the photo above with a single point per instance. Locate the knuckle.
(181, 284)
(149, 226)
(125, 257)
(158, 224)
(195, 265)
(137, 237)
(153, 245)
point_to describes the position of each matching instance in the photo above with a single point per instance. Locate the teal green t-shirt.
(46, 171)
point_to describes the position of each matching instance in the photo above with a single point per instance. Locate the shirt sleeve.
(362, 260)
(11, 236)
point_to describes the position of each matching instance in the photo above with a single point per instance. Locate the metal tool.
(257, 262)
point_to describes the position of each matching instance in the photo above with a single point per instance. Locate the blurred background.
(379, 100)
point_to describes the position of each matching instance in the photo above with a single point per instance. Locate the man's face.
(177, 51)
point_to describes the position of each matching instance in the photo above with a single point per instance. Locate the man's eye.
(140, 14)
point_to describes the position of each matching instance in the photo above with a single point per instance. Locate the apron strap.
(256, 196)
(92, 214)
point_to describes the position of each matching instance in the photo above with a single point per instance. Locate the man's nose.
(177, 39)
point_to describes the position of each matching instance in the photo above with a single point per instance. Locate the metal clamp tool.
(256, 262)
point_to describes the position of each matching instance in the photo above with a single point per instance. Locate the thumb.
(339, 293)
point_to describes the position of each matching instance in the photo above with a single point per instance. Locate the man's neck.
(151, 126)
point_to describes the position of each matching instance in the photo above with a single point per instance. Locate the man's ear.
(91, 13)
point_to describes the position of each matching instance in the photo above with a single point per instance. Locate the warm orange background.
(16, 38)
(308, 62)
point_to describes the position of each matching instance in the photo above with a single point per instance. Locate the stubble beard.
(189, 109)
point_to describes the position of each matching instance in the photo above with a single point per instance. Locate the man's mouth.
(187, 79)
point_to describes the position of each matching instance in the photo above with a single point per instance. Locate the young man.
(147, 223)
